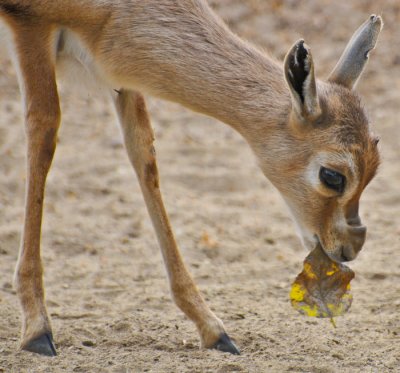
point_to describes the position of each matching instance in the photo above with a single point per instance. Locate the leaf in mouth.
(322, 289)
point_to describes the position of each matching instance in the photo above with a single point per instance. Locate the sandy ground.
(106, 286)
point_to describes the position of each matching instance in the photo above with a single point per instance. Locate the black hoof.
(42, 345)
(225, 344)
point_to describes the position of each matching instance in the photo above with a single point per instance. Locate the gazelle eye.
(332, 179)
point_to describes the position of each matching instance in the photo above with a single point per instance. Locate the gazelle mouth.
(331, 256)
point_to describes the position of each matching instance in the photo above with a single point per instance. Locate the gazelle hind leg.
(138, 137)
(42, 117)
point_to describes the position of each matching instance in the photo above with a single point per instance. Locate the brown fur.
(181, 51)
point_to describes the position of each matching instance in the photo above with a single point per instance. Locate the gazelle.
(311, 137)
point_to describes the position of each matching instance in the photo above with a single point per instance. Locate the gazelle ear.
(355, 56)
(299, 74)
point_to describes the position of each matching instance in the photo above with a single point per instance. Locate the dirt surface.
(107, 291)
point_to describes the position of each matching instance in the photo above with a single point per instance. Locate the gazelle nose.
(357, 236)
(355, 241)
(354, 221)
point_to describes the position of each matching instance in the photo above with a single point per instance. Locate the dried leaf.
(207, 241)
(322, 289)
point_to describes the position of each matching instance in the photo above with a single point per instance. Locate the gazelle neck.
(197, 61)
(233, 82)
(238, 85)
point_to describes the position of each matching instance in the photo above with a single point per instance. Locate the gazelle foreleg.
(138, 137)
(42, 117)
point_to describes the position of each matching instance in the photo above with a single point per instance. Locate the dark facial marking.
(16, 10)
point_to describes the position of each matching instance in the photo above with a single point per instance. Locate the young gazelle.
(311, 138)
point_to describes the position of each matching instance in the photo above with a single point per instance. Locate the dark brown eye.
(332, 179)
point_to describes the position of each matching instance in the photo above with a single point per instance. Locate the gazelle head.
(323, 157)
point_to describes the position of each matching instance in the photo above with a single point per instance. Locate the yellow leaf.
(322, 289)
